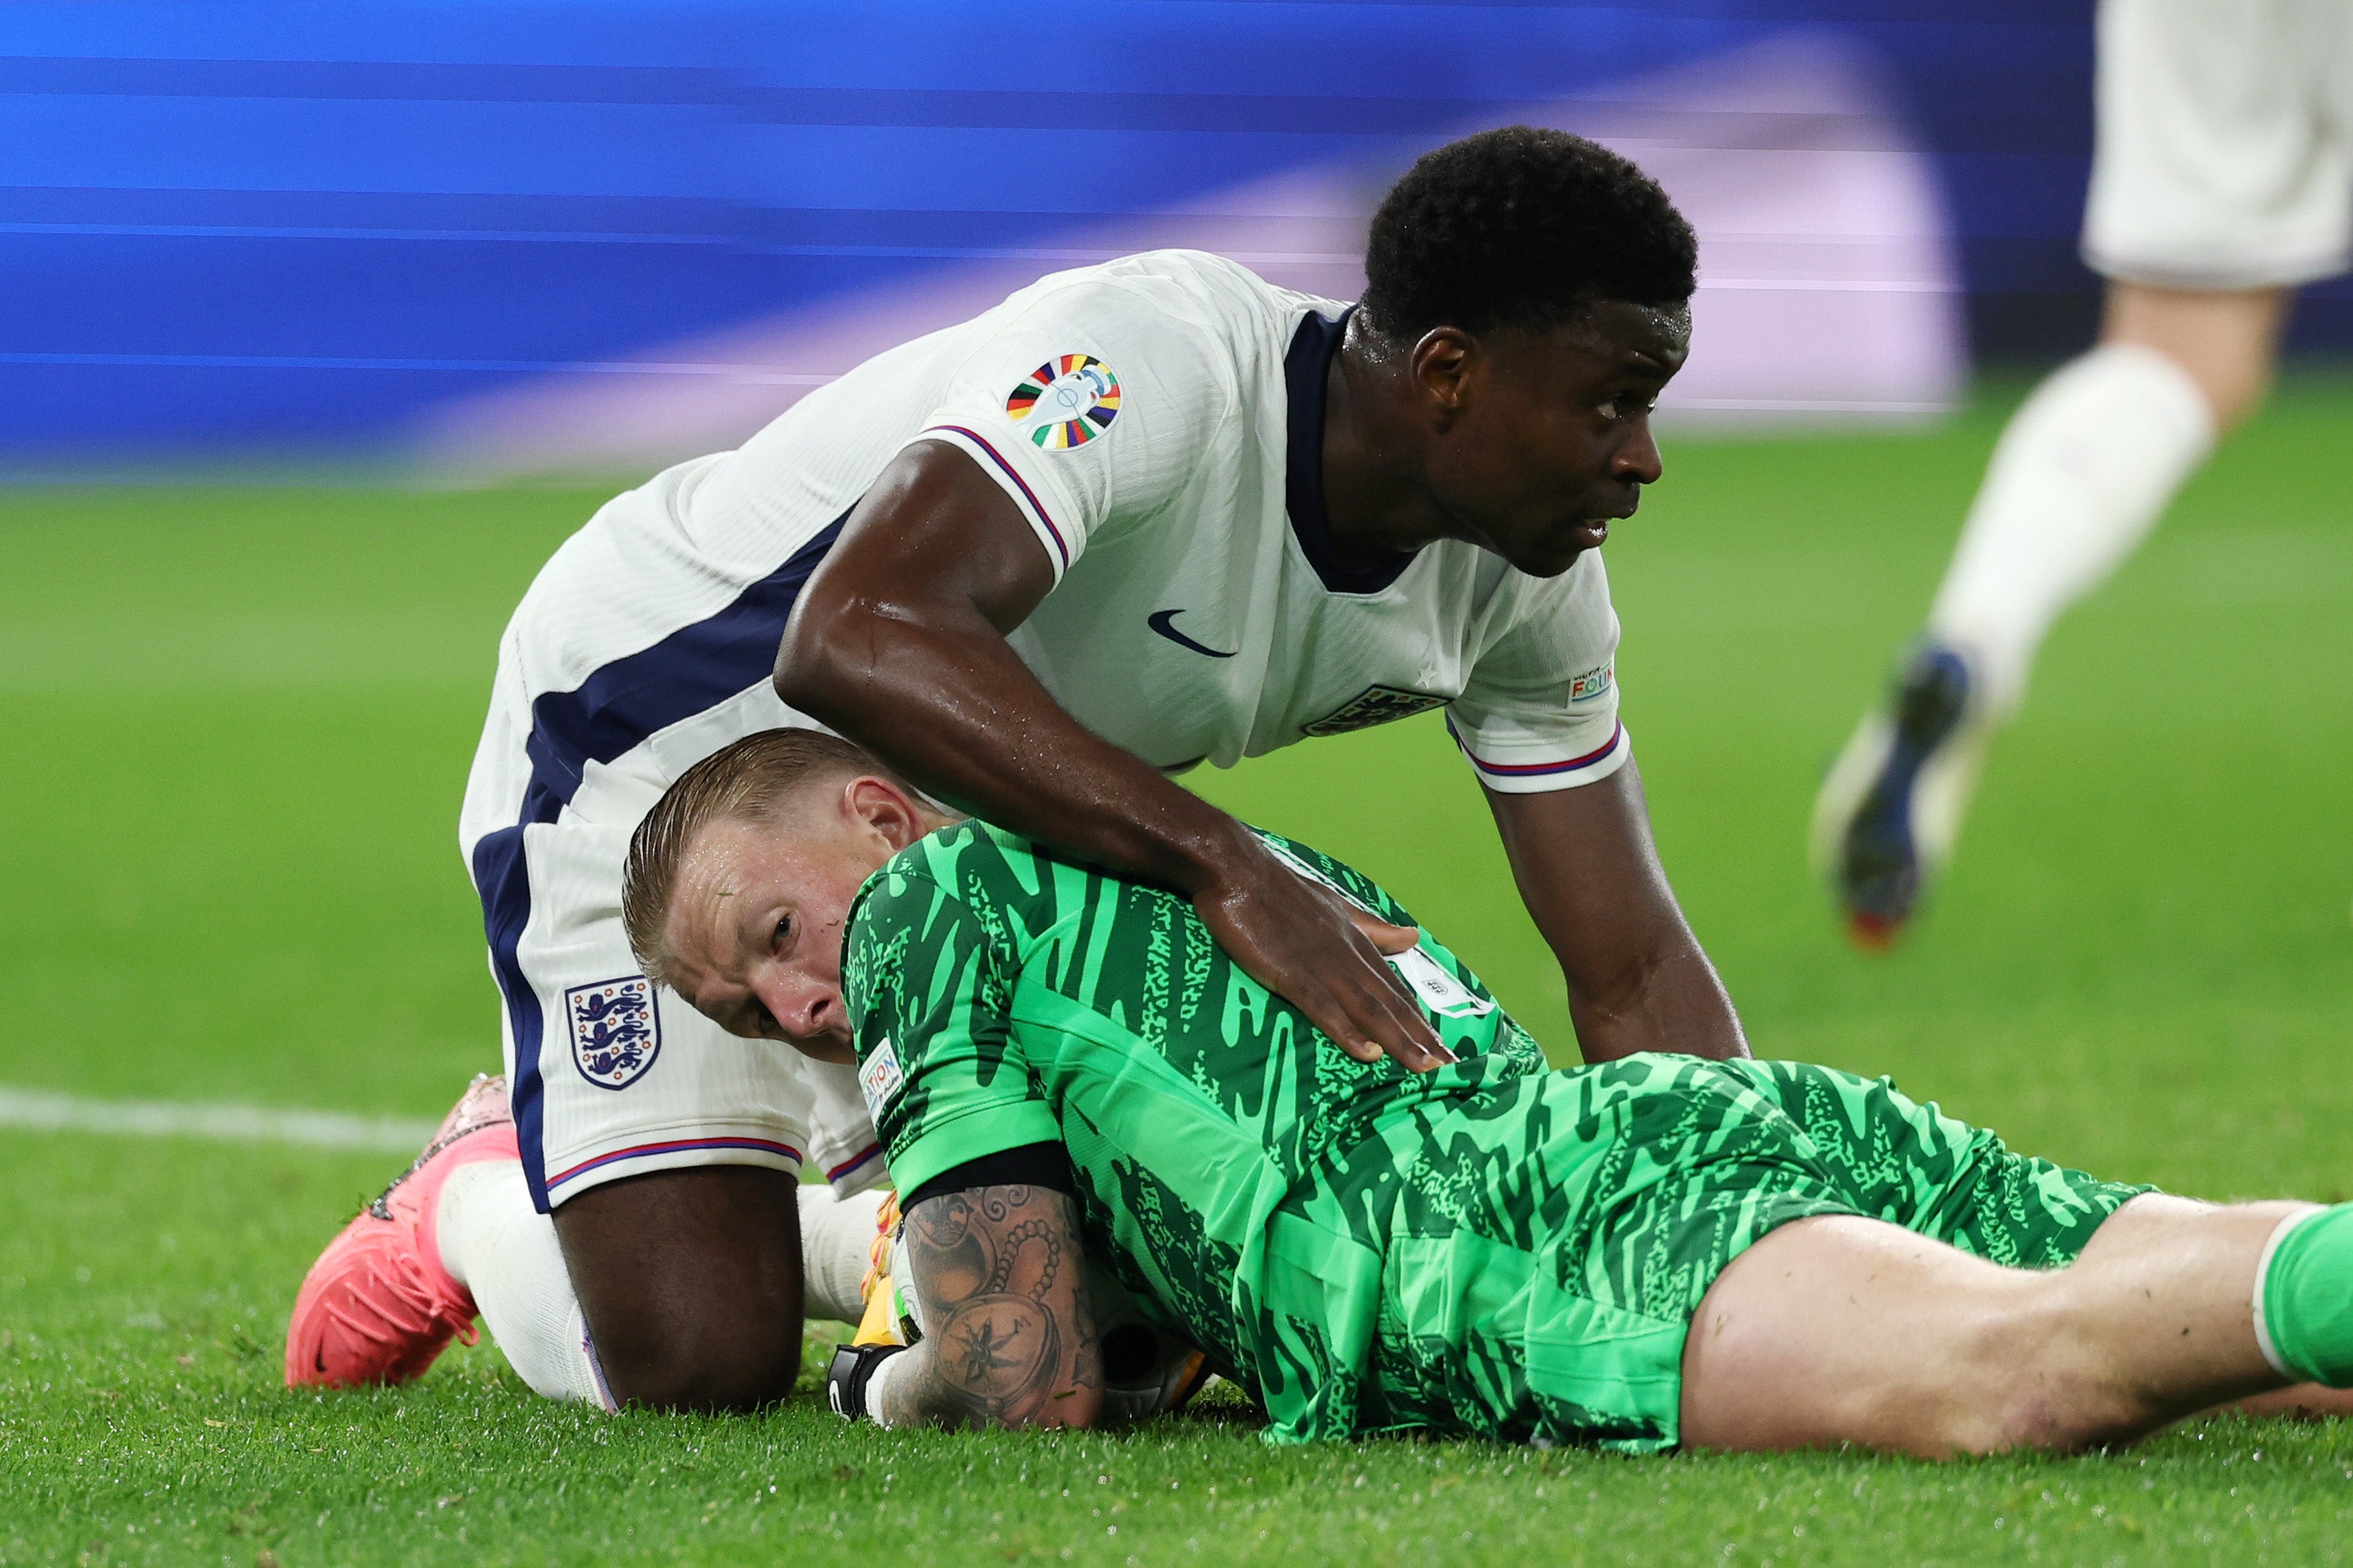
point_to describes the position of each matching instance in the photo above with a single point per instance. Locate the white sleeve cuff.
(1526, 767)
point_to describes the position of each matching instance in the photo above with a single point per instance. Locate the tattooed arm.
(1009, 1340)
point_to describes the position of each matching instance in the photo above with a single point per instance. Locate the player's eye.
(1627, 405)
(783, 929)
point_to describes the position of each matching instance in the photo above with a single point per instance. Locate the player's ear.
(1443, 363)
(885, 808)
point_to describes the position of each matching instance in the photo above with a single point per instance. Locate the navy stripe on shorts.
(608, 715)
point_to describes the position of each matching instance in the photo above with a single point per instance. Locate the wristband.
(847, 1379)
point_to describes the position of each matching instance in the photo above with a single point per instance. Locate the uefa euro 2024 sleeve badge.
(616, 1029)
(1067, 402)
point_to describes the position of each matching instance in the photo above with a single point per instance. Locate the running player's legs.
(2222, 180)
(2218, 186)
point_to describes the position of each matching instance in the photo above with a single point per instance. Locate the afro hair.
(1522, 227)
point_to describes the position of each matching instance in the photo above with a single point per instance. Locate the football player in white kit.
(2221, 179)
(1139, 516)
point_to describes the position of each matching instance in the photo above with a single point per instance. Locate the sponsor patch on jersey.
(1373, 705)
(616, 1029)
(1067, 402)
(1592, 683)
(1439, 991)
(879, 1079)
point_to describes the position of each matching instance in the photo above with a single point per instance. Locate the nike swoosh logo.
(1162, 621)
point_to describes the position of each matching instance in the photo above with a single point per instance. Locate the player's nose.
(1638, 459)
(804, 1006)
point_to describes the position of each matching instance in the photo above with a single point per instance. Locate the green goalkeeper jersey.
(1490, 1248)
(1236, 1168)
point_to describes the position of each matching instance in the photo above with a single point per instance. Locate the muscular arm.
(1008, 1338)
(1590, 876)
(898, 642)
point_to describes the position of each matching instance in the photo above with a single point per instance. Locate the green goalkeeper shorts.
(1551, 1246)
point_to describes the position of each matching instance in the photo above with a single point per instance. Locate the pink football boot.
(378, 1307)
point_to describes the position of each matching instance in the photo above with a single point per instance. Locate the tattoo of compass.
(983, 1347)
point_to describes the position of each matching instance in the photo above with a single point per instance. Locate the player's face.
(755, 925)
(1552, 442)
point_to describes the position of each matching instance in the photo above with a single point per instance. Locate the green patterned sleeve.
(929, 982)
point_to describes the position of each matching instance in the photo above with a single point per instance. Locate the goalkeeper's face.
(753, 938)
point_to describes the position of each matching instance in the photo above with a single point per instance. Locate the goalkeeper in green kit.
(1653, 1252)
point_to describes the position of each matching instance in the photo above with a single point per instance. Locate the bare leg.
(2148, 1221)
(2227, 341)
(1844, 1329)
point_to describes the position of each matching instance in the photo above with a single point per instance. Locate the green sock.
(2304, 1297)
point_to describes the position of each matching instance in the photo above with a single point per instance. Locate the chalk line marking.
(43, 1111)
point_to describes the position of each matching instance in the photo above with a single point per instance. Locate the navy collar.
(1306, 371)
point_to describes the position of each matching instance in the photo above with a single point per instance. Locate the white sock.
(2085, 470)
(837, 1236)
(497, 1245)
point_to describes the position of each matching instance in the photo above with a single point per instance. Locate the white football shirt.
(1159, 420)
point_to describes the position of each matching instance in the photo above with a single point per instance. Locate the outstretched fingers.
(1377, 1002)
(1310, 946)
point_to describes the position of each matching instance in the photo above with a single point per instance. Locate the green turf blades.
(108, 1448)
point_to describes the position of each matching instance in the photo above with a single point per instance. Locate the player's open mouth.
(1593, 532)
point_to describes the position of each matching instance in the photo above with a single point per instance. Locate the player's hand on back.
(1322, 954)
(899, 643)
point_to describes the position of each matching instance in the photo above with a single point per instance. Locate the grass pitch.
(239, 722)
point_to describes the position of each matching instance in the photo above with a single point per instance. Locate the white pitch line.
(46, 1111)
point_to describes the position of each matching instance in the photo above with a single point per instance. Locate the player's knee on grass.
(690, 1282)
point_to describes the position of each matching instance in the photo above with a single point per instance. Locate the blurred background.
(500, 238)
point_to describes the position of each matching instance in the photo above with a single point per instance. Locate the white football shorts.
(2225, 157)
(602, 700)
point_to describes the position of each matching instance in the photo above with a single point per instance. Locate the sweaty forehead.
(1621, 332)
(1606, 341)
(715, 877)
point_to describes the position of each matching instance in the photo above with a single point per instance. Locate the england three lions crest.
(1373, 705)
(616, 1029)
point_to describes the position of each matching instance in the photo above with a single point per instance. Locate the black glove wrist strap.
(852, 1369)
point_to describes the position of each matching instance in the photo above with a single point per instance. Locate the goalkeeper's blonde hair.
(757, 779)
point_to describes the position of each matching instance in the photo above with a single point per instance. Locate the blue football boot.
(1891, 809)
